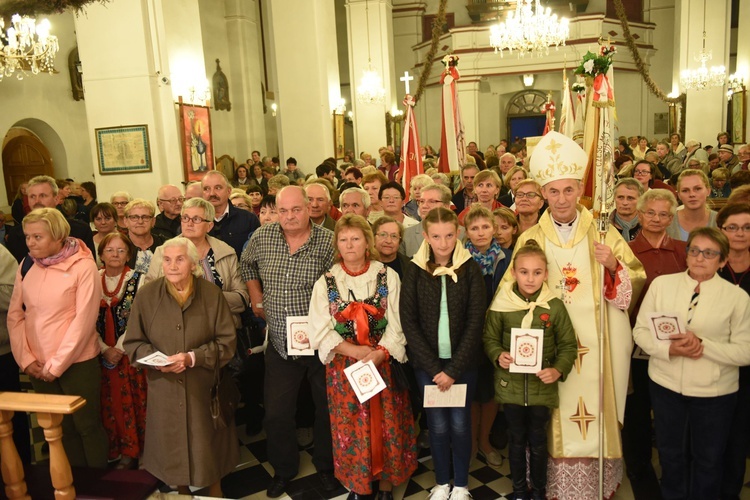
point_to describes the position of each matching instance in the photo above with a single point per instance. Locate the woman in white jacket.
(694, 374)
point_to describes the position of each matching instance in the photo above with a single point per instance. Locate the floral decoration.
(596, 64)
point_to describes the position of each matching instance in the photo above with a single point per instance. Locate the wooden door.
(23, 158)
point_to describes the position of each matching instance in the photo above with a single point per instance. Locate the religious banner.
(411, 158)
(598, 141)
(580, 110)
(567, 118)
(549, 110)
(452, 142)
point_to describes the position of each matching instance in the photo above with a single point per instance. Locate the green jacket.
(560, 350)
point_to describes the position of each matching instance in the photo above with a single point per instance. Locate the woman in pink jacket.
(51, 322)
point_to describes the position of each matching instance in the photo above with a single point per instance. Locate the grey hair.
(118, 194)
(364, 194)
(658, 195)
(43, 179)
(192, 252)
(325, 188)
(445, 192)
(219, 173)
(209, 212)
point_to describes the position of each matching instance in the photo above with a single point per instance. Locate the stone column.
(305, 65)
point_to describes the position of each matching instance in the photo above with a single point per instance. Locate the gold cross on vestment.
(582, 351)
(582, 417)
(553, 146)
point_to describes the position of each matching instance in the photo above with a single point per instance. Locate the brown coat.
(181, 445)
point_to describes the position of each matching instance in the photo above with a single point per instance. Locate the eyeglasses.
(530, 195)
(733, 228)
(181, 199)
(195, 219)
(119, 203)
(142, 218)
(391, 198)
(642, 172)
(242, 205)
(650, 214)
(388, 236)
(119, 251)
(708, 254)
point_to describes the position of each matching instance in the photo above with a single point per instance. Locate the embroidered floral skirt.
(124, 409)
(350, 430)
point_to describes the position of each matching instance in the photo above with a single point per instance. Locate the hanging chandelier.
(26, 46)
(530, 29)
(703, 77)
(370, 89)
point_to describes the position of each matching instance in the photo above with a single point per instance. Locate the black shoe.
(330, 483)
(385, 495)
(277, 487)
(357, 496)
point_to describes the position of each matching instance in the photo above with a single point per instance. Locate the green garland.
(650, 83)
(34, 7)
(437, 32)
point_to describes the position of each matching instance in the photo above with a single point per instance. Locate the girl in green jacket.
(527, 398)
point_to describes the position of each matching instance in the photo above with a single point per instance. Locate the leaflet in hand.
(365, 380)
(455, 397)
(297, 337)
(526, 348)
(663, 325)
(157, 358)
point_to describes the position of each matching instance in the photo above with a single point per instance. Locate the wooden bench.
(50, 410)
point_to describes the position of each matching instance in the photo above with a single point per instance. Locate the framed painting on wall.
(738, 117)
(123, 150)
(338, 136)
(197, 141)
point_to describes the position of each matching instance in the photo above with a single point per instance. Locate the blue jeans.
(692, 427)
(450, 430)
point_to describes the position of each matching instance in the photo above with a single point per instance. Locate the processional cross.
(406, 79)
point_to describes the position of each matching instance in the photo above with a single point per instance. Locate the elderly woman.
(187, 319)
(120, 200)
(734, 222)
(487, 186)
(104, 217)
(51, 321)
(354, 317)
(694, 374)
(123, 384)
(481, 227)
(217, 259)
(639, 152)
(693, 190)
(415, 187)
(720, 187)
(514, 176)
(660, 255)
(388, 235)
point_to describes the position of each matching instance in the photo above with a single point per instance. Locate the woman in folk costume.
(568, 234)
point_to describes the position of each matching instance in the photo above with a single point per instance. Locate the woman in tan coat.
(188, 320)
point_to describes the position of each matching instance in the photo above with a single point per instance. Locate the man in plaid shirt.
(280, 265)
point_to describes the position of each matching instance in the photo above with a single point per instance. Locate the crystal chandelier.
(370, 89)
(26, 46)
(530, 29)
(703, 78)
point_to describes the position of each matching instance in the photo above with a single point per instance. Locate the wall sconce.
(273, 109)
(528, 80)
(735, 83)
(340, 108)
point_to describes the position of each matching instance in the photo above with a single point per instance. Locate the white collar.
(224, 214)
(565, 229)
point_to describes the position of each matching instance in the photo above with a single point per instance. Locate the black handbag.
(225, 396)
(399, 376)
(251, 339)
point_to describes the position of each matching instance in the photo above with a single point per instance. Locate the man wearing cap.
(727, 157)
(568, 234)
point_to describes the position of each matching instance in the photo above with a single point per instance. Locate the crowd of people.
(437, 287)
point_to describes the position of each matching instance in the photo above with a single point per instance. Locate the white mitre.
(557, 157)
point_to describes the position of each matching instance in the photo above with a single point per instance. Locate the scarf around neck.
(460, 255)
(507, 300)
(626, 226)
(70, 247)
(486, 260)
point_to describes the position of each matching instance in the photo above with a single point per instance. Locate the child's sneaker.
(440, 492)
(460, 493)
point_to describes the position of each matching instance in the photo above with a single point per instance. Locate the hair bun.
(532, 244)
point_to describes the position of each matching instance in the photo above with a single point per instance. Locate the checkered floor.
(253, 474)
